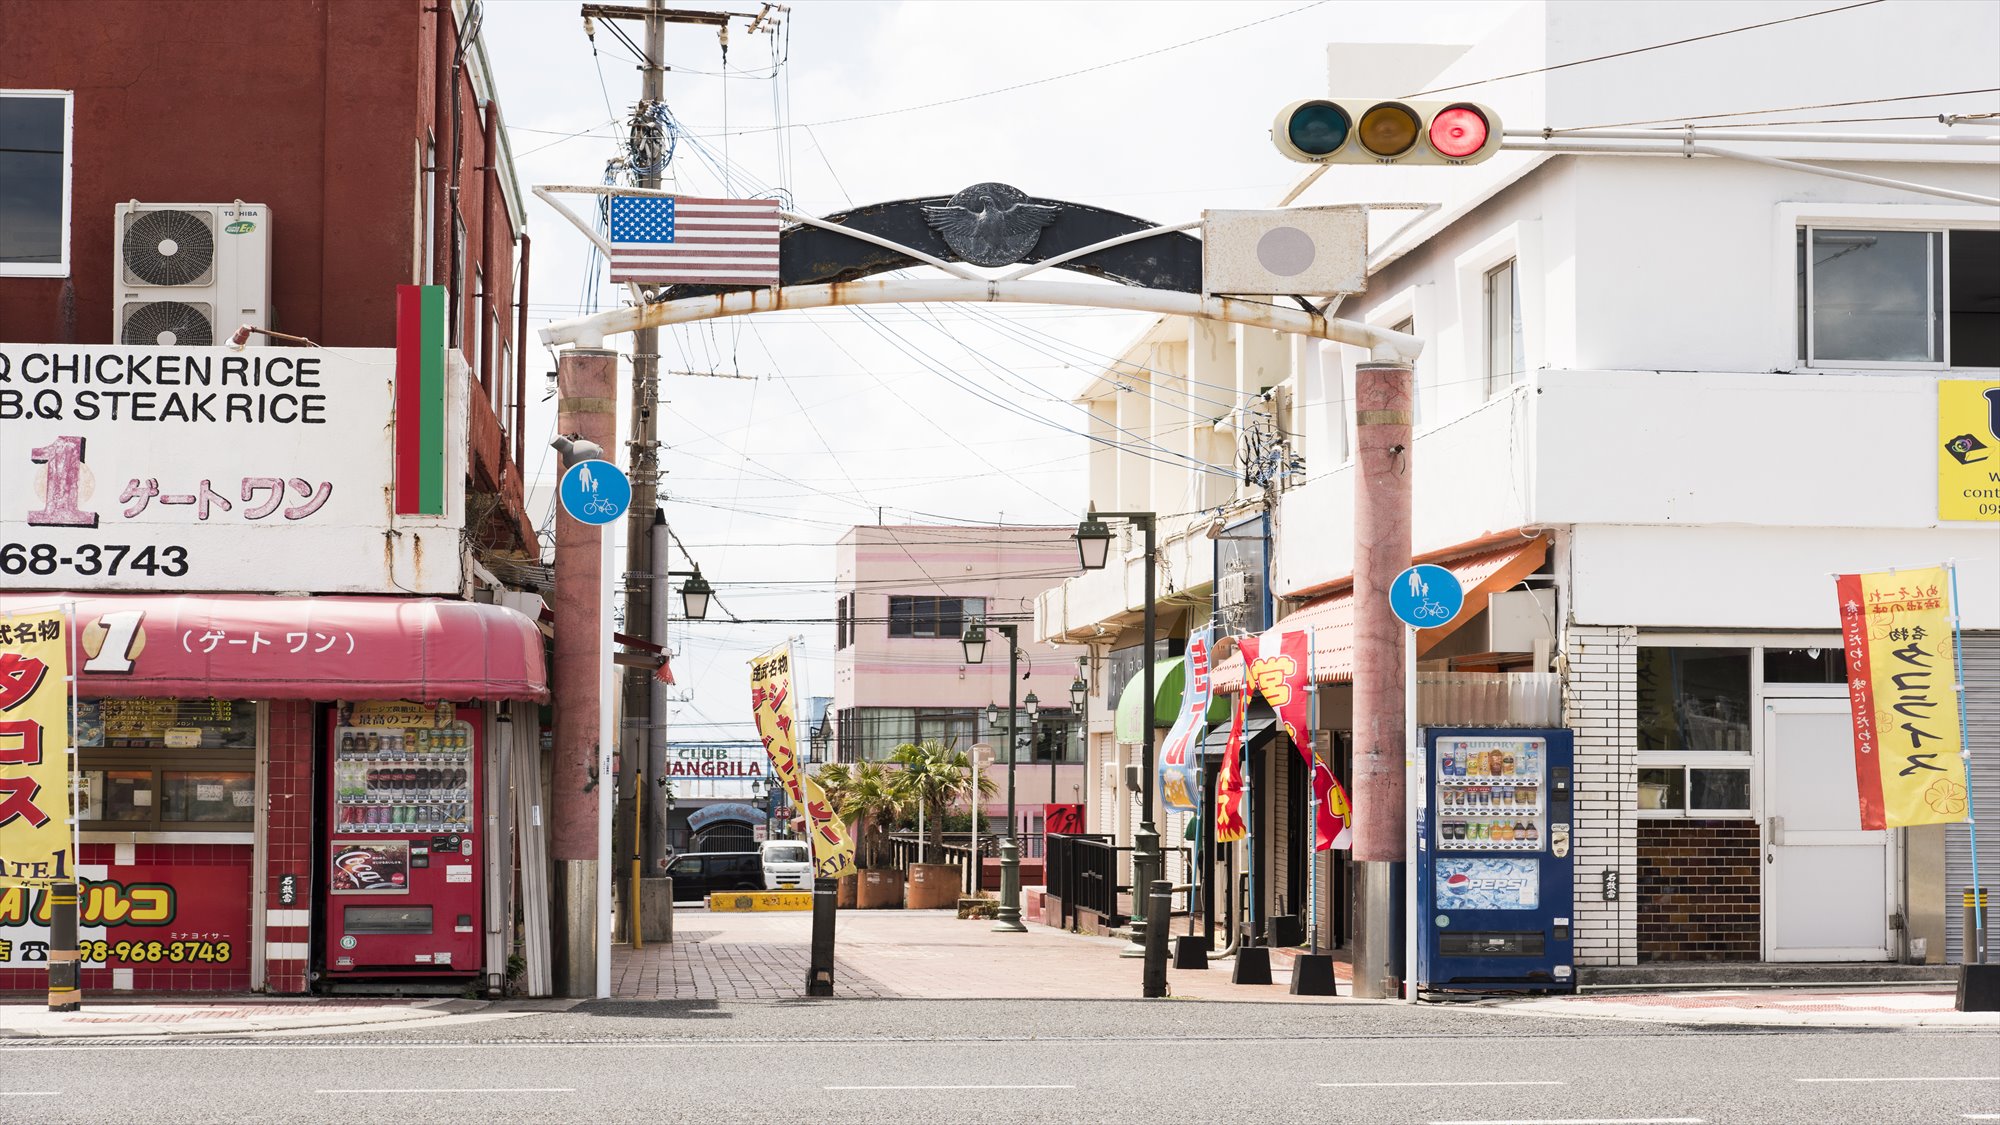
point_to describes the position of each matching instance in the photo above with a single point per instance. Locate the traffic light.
(1371, 131)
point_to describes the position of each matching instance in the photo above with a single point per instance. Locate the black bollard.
(65, 962)
(1253, 963)
(1191, 952)
(819, 974)
(1312, 975)
(1158, 900)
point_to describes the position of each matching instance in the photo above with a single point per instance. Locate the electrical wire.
(1643, 50)
(1780, 109)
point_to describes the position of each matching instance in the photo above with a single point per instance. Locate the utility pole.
(643, 739)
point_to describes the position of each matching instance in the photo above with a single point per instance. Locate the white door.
(1829, 887)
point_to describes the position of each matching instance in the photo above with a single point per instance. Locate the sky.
(844, 416)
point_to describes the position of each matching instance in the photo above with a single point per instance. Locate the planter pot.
(933, 886)
(844, 892)
(881, 889)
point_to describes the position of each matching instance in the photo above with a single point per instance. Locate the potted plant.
(865, 796)
(933, 778)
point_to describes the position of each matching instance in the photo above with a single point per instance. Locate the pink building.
(905, 596)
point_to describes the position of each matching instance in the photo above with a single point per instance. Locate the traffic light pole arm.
(590, 331)
(1533, 143)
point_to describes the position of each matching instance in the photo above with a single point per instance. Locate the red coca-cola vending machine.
(405, 886)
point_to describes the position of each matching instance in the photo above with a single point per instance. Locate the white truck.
(787, 865)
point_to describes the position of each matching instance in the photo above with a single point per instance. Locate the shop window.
(1694, 699)
(1694, 732)
(932, 617)
(1805, 665)
(167, 764)
(1899, 297)
(34, 169)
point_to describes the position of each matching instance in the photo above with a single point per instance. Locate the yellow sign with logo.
(734, 902)
(1968, 449)
(37, 846)
(1902, 663)
(773, 703)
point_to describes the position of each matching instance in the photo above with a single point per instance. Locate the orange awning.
(1331, 616)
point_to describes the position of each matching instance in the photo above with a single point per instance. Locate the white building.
(1670, 396)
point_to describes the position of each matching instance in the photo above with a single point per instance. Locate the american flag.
(674, 240)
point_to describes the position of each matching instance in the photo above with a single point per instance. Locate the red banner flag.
(1284, 679)
(1229, 824)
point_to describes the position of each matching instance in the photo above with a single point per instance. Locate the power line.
(1642, 50)
(1781, 109)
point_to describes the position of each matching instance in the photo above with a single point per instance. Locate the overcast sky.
(844, 411)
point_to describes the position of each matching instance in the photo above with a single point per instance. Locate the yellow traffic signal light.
(1385, 131)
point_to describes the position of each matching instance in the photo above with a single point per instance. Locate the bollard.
(1159, 897)
(65, 962)
(1978, 976)
(819, 974)
(1191, 951)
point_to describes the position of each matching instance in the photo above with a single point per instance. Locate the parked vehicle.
(700, 874)
(787, 865)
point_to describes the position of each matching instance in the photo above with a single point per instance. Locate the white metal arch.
(590, 331)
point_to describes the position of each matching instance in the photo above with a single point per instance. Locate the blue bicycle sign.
(1426, 596)
(595, 492)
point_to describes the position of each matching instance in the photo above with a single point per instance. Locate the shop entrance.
(1829, 886)
(726, 836)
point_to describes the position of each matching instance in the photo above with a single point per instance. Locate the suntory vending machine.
(404, 878)
(1493, 897)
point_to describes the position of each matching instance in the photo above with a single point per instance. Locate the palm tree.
(866, 798)
(934, 777)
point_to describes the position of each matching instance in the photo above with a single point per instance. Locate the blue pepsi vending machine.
(1493, 894)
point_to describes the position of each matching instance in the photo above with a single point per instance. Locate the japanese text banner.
(36, 844)
(773, 704)
(1909, 761)
(1180, 764)
(1282, 675)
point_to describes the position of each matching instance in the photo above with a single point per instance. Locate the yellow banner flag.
(773, 703)
(37, 846)
(1909, 761)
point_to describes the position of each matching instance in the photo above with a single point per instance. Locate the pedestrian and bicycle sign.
(1426, 596)
(595, 492)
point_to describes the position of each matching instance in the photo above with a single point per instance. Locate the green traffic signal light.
(1317, 128)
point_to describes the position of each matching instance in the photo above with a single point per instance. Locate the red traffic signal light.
(1385, 131)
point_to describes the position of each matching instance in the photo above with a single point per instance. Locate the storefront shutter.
(1982, 716)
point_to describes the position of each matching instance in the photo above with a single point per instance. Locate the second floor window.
(1506, 359)
(932, 617)
(1895, 297)
(34, 184)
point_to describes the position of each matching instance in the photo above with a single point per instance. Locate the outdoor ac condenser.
(187, 274)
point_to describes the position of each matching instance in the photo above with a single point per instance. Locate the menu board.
(180, 724)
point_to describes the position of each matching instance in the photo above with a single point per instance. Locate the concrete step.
(1753, 974)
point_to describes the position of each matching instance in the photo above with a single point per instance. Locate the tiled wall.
(289, 834)
(1601, 708)
(1698, 890)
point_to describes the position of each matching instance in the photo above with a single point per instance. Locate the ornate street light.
(695, 593)
(1093, 542)
(1008, 918)
(974, 641)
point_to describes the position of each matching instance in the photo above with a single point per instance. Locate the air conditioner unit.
(188, 274)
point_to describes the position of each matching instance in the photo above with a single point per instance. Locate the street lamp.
(1007, 919)
(695, 593)
(1093, 544)
(1079, 698)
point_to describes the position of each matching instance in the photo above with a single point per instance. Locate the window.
(478, 357)
(1896, 297)
(455, 297)
(840, 624)
(932, 617)
(1694, 731)
(1409, 325)
(34, 183)
(1806, 665)
(1506, 359)
(150, 764)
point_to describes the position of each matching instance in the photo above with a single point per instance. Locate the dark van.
(699, 874)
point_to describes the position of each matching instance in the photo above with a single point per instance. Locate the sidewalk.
(226, 1015)
(909, 954)
(1775, 1007)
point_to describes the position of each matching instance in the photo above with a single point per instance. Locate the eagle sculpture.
(991, 224)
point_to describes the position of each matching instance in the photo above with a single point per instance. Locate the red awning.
(1331, 617)
(251, 646)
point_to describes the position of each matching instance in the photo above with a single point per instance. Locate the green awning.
(1169, 682)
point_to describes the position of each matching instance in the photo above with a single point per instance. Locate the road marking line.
(457, 1089)
(1973, 1078)
(947, 1087)
(29, 1093)
(1981, 1116)
(1351, 1085)
(1581, 1121)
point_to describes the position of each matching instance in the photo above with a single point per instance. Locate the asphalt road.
(1034, 1061)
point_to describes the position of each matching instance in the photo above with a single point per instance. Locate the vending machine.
(404, 885)
(1493, 891)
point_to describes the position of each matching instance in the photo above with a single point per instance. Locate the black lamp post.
(1079, 698)
(1093, 546)
(1007, 919)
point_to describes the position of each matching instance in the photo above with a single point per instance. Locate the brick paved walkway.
(906, 954)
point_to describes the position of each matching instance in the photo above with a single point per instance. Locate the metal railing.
(1083, 875)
